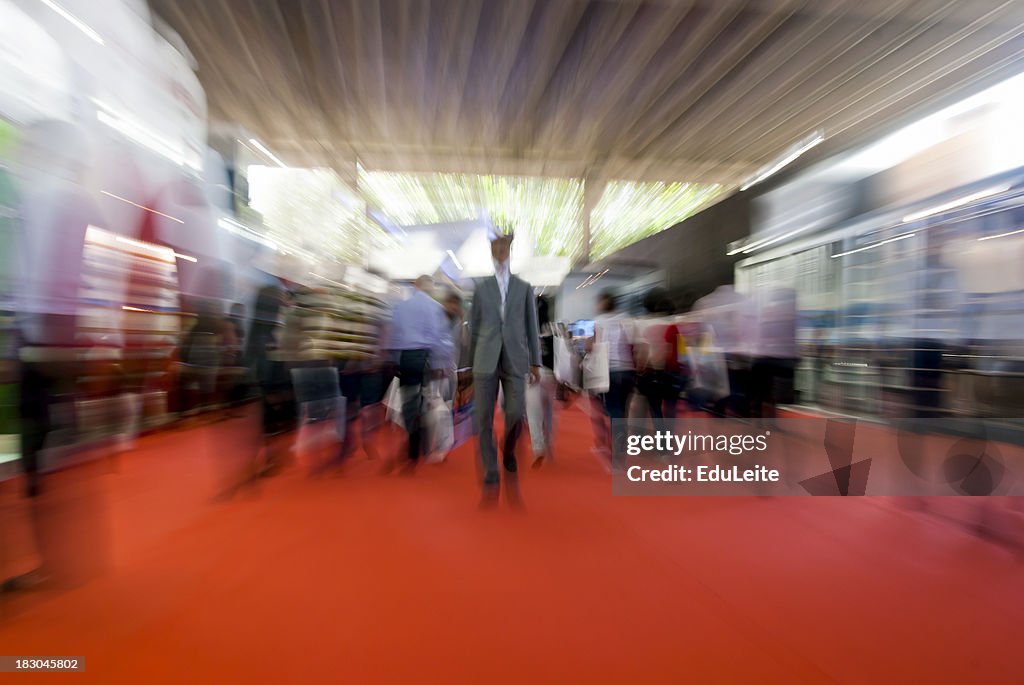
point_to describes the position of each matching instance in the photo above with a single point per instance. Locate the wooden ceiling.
(699, 90)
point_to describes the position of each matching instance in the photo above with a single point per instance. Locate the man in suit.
(505, 349)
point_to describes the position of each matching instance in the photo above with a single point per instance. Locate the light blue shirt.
(419, 323)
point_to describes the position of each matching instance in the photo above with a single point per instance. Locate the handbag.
(393, 403)
(709, 372)
(596, 377)
(440, 428)
(567, 368)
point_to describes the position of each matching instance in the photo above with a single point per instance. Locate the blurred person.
(455, 311)
(54, 211)
(202, 352)
(773, 366)
(280, 414)
(264, 327)
(376, 380)
(659, 378)
(238, 386)
(420, 339)
(267, 348)
(505, 348)
(540, 397)
(445, 387)
(613, 328)
(731, 317)
(236, 319)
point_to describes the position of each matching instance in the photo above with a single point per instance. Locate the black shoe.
(510, 464)
(491, 479)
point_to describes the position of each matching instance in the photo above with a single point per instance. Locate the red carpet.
(366, 578)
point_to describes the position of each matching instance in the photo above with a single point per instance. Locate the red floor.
(366, 578)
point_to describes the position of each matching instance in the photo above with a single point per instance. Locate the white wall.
(573, 305)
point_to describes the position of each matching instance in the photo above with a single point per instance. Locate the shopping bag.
(567, 368)
(440, 429)
(595, 369)
(708, 369)
(393, 403)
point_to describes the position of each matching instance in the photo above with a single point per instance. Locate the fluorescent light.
(142, 135)
(591, 279)
(240, 229)
(186, 257)
(767, 241)
(229, 224)
(455, 259)
(953, 204)
(75, 21)
(778, 166)
(746, 249)
(118, 197)
(874, 245)
(259, 146)
(1002, 235)
(586, 281)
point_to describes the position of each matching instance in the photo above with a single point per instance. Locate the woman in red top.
(661, 377)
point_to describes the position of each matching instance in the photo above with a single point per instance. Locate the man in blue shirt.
(421, 340)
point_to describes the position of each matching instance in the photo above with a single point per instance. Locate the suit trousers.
(485, 396)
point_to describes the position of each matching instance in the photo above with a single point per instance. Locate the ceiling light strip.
(74, 21)
(1002, 235)
(148, 209)
(874, 245)
(270, 155)
(953, 204)
(814, 140)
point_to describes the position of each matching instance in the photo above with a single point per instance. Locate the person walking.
(505, 348)
(540, 397)
(421, 340)
(612, 329)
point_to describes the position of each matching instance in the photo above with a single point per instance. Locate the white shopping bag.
(440, 429)
(567, 368)
(393, 403)
(708, 368)
(595, 369)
